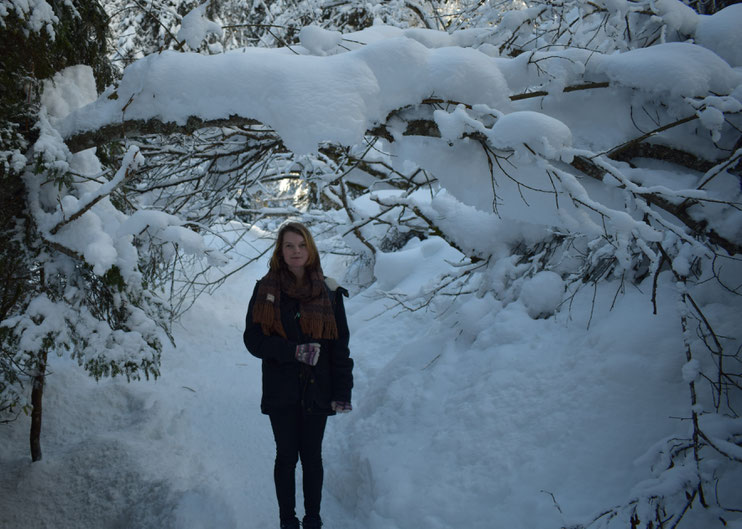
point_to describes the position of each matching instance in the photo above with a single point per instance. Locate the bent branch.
(118, 131)
(139, 127)
(428, 127)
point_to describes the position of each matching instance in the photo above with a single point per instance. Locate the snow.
(68, 90)
(545, 405)
(720, 33)
(196, 27)
(38, 15)
(42, 318)
(542, 294)
(677, 16)
(525, 132)
(306, 99)
(673, 68)
(537, 132)
(691, 370)
(310, 99)
(512, 20)
(85, 221)
(394, 268)
(507, 404)
(319, 41)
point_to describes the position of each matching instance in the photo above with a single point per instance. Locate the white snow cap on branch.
(541, 134)
(68, 90)
(319, 41)
(720, 33)
(42, 318)
(164, 227)
(37, 15)
(675, 68)
(196, 27)
(306, 99)
(677, 15)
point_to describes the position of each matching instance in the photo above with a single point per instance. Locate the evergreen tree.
(53, 299)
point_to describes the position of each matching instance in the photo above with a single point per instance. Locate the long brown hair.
(277, 263)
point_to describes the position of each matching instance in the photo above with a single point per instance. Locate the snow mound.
(542, 294)
(401, 271)
(319, 41)
(541, 134)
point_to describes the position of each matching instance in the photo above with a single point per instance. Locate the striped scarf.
(317, 318)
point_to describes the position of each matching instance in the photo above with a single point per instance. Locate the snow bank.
(477, 410)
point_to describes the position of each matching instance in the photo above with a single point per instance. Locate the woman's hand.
(341, 407)
(308, 353)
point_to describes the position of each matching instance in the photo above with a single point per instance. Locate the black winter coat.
(288, 383)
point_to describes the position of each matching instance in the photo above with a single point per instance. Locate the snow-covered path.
(190, 450)
(472, 419)
(228, 436)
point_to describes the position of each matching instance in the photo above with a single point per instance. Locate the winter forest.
(536, 207)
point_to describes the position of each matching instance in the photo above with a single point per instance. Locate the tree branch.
(589, 168)
(424, 127)
(138, 127)
(118, 131)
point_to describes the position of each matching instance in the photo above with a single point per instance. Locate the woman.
(296, 324)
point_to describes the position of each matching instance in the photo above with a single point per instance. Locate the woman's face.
(295, 252)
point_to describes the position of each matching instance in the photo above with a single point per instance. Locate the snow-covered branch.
(135, 128)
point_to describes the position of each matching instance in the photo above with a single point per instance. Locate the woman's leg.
(286, 431)
(310, 450)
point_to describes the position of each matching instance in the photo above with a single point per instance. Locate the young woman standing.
(296, 325)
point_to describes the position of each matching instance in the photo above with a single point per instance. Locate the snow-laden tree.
(582, 141)
(552, 145)
(82, 270)
(37, 42)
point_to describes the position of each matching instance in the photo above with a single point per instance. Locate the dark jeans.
(298, 435)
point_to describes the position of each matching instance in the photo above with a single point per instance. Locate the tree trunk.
(37, 394)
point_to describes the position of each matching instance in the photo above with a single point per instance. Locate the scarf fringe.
(319, 329)
(264, 313)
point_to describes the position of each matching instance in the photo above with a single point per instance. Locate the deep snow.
(481, 417)
(476, 413)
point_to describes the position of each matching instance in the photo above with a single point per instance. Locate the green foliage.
(32, 268)
(29, 57)
(114, 280)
